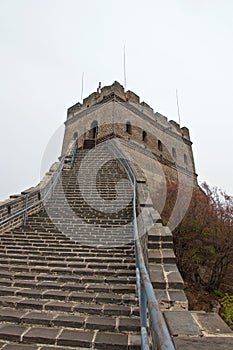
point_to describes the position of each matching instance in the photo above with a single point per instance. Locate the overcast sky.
(47, 44)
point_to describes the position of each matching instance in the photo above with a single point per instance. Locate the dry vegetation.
(203, 244)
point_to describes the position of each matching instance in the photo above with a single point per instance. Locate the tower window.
(129, 128)
(160, 146)
(144, 136)
(185, 159)
(173, 152)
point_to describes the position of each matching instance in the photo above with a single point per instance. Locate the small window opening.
(39, 196)
(128, 128)
(75, 136)
(185, 159)
(160, 146)
(9, 209)
(144, 136)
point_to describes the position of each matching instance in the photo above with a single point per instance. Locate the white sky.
(47, 44)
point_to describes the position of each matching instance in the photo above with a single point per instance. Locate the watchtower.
(112, 112)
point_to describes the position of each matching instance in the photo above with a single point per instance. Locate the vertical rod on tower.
(124, 70)
(177, 102)
(82, 88)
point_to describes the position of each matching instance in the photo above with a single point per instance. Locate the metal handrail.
(53, 180)
(145, 289)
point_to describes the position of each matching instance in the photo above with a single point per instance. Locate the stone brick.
(9, 315)
(38, 318)
(69, 321)
(11, 332)
(101, 323)
(75, 338)
(111, 341)
(41, 336)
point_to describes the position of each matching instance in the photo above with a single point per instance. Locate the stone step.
(69, 271)
(64, 295)
(17, 278)
(67, 286)
(71, 307)
(81, 259)
(42, 300)
(24, 335)
(13, 264)
(77, 321)
(72, 256)
(60, 249)
(55, 254)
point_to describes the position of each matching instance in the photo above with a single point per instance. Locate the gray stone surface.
(212, 323)
(205, 343)
(181, 323)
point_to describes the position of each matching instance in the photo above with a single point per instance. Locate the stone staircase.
(67, 278)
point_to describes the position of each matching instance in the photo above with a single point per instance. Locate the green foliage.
(218, 293)
(226, 301)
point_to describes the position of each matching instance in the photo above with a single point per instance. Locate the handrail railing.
(45, 190)
(50, 184)
(145, 289)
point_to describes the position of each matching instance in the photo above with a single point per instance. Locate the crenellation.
(116, 87)
(132, 97)
(72, 110)
(185, 132)
(176, 125)
(147, 107)
(161, 118)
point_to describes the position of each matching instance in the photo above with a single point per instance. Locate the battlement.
(116, 91)
(97, 97)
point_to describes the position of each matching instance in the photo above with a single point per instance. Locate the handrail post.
(25, 212)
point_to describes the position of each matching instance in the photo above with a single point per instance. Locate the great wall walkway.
(67, 276)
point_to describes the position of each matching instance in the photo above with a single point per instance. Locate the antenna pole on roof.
(177, 102)
(124, 70)
(82, 88)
